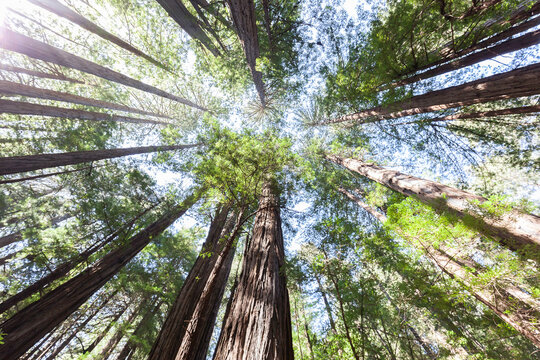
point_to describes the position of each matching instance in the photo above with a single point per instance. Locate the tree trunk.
(245, 23)
(25, 108)
(173, 332)
(17, 236)
(22, 44)
(258, 323)
(512, 84)
(63, 269)
(39, 74)
(27, 326)
(516, 230)
(11, 181)
(181, 15)
(511, 45)
(377, 215)
(12, 88)
(326, 304)
(118, 335)
(17, 164)
(65, 12)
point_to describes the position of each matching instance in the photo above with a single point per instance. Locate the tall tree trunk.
(22, 44)
(377, 215)
(245, 23)
(508, 46)
(512, 84)
(11, 181)
(181, 15)
(27, 326)
(64, 269)
(17, 236)
(118, 335)
(516, 230)
(17, 164)
(39, 74)
(12, 88)
(326, 304)
(65, 12)
(258, 323)
(169, 341)
(25, 108)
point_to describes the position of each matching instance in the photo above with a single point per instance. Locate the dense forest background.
(261, 179)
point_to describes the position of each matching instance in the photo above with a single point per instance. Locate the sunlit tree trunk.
(27, 326)
(257, 325)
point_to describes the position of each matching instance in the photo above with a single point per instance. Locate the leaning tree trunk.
(508, 46)
(13, 41)
(512, 84)
(516, 230)
(17, 164)
(17, 236)
(56, 7)
(169, 341)
(245, 23)
(257, 325)
(119, 334)
(25, 108)
(26, 178)
(39, 74)
(12, 88)
(27, 326)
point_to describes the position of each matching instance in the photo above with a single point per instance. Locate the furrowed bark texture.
(516, 230)
(173, 332)
(257, 325)
(27, 326)
(65, 12)
(512, 84)
(245, 23)
(498, 305)
(22, 44)
(181, 15)
(24, 108)
(38, 73)
(505, 47)
(17, 164)
(12, 88)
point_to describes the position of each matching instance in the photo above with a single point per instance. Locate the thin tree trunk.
(39, 74)
(516, 230)
(258, 323)
(326, 304)
(11, 181)
(17, 236)
(508, 46)
(181, 15)
(64, 269)
(17, 164)
(244, 20)
(105, 331)
(119, 334)
(12, 88)
(25, 108)
(65, 12)
(22, 44)
(27, 326)
(512, 84)
(173, 332)
(377, 215)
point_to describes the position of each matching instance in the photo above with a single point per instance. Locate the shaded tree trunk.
(39, 74)
(245, 23)
(11, 181)
(516, 230)
(118, 335)
(65, 12)
(173, 332)
(12, 88)
(17, 164)
(17, 236)
(258, 322)
(25, 108)
(377, 215)
(508, 85)
(27, 326)
(22, 44)
(326, 304)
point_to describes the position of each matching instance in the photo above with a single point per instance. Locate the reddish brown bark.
(17, 164)
(65, 12)
(13, 41)
(516, 230)
(12, 88)
(245, 23)
(27, 326)
(508, 85)
(169, 341)
(38, 73)
(24, 108)
(257, 325)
